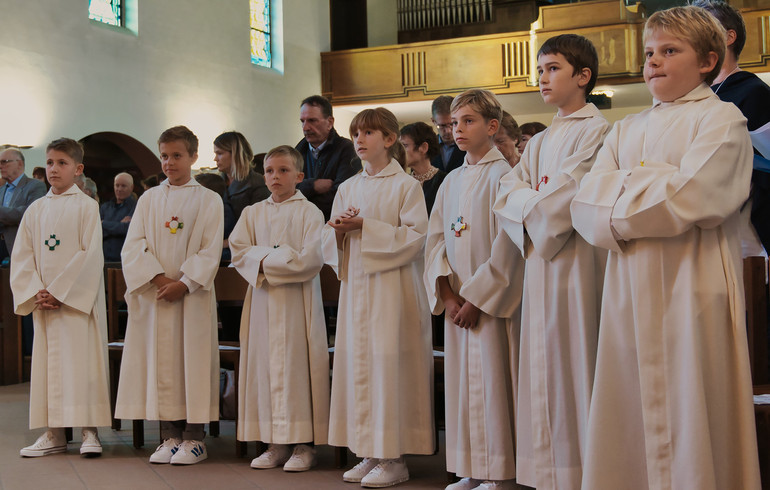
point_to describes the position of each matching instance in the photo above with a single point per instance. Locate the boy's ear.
(709, 63)
(300, 177)
(79, 168)
(195, 157)
(731, 37)
(584, 76)
(494, 125)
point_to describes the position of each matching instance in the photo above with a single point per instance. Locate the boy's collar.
(298, 196)
(192, 182)
(491, 156)
(588, 110)
(72, 190)
(700, 92)
(391, 168)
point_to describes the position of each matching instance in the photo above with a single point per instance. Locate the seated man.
(116, 216)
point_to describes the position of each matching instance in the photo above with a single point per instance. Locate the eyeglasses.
(3, 162)
(444, 126)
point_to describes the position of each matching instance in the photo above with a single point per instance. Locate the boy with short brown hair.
(672, 401)
(56, 274)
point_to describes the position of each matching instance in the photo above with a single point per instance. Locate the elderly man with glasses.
(16, 195)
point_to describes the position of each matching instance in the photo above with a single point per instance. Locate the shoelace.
(364, 462)
(377, 470)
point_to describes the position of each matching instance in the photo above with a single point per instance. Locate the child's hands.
(45, 300)
(468, 316)
(172, 291)
(452, 306)
(345, 225)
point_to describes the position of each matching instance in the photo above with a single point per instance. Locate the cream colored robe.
(382, 383)
(170, 367)
(69, 384)
(484, 267)
(672, 403)
(562, 293)
(283, 387)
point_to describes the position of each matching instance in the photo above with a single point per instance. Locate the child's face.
(559, 86)
(372, 145)
(523, 142)
(281, 177)
(61, 170)
(671, 67)
(471, 132)
(176, 161)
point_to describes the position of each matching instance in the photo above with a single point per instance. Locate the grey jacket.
(25, 193)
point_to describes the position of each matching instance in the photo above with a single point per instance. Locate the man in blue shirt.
(116, 216)
(16, 195)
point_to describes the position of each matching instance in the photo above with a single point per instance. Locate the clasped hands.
(347, 221)
(45, 300)
(463, 313)
(169, 289)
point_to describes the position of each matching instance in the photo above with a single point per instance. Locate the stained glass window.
(260, 33)
(107, 11)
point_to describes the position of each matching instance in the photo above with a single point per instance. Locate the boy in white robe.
(382, 385)
(672, 402)
(56, 274)
(283, 388)
(170, 366)
(475, 273)
(562, 279)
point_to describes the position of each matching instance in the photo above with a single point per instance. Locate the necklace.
(459, 225)
(426, 176)
(175, 223)
(723, 81)
(53, 241)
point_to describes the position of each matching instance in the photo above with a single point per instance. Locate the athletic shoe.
(496, 485)
(165, 451)
(52, 441)
(302, 459)
(190, 452)
(387, 473)
(91, 447)
(275, 455)
(464, 484)
(359, 471)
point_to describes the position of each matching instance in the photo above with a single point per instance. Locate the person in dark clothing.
(329, 158)
(752, 96)
(421, 145)
(116, 216)
(449, 156)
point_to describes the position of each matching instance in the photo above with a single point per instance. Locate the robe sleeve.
(546, 214)
(491, 288)
(140, 266)
(436, 261)
(246, 252)
(286, 265)
(202, 266)
(385, 246)
(599, 190)
(514, 191)
(25, 278)
(331, 254)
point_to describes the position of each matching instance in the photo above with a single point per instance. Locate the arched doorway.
(109, 153)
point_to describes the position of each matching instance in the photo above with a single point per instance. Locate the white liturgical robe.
(672, 403)
(382, 384)
(170, 367)
(562, 294)
(283, 386)
(59, 248)
(483, 266)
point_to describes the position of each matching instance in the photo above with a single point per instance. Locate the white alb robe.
(480, 368)
(69, 384)
(382, 382)
(283, 386)
(562, 294)
(672, 403)
(170, 367)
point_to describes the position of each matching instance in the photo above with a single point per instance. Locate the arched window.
(107, 11)
(261, 45)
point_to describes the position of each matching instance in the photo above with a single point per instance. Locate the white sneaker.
(190, 452)
(496, 485)
(165, 451)
(464, 484)
(302, 459)
(387, 473)
(52, 441)
(91, 446)
(275, 455)
(359, 471)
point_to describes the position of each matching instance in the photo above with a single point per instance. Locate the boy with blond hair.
(672, 404)
(560, 312)
(56, 274)
(283, 392)
(170, 368)
(474, 273)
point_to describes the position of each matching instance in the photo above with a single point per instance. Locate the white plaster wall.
(63, 75)
(381, 22)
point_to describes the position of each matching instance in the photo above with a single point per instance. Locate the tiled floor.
(121, 466)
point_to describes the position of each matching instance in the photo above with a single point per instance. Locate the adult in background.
(16, 195)
(329, 158)
(507, 139)
(528, 130)
(421, 145)
(116, 216)
(450, 156)
(752, 96)
(232, 153)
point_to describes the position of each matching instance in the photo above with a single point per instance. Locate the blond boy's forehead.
(282, 158)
